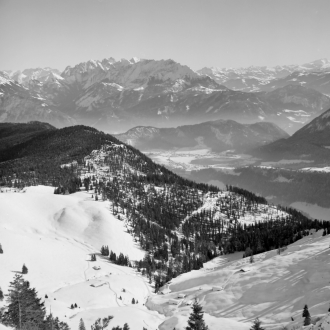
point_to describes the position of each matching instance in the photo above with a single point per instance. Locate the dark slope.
(17, 133)
(311, 142)
(217, 135)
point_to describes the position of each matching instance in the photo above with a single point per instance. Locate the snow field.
(275, 288)
(54, 235)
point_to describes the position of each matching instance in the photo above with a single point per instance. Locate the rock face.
(117, 95)
(217, 135)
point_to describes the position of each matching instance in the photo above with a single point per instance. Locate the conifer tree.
(24, 308)
(196, 321)
(1, 250)
(100, 325)
(257, 325)
(306, 315)
(52, 323)
(126, 327)
(82, 325)
(133, 301)
(24, 269)
(1, 295)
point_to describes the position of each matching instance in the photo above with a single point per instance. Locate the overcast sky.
(198, 33)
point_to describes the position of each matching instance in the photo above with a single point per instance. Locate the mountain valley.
(174, 240)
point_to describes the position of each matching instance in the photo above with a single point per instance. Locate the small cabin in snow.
(244, 270)
(181, 295)
(174, 302)
(217, 288)
(97, 267)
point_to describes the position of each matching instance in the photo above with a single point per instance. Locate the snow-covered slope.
(54, 236)
(273, 288)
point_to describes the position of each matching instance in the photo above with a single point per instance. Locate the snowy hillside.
(57, 234)
(273, 288)
(171, 229)
(54, 236)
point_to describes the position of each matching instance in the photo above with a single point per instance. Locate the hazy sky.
(198, 33)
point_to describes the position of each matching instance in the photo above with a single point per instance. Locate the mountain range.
(118, 95)
(315, 75)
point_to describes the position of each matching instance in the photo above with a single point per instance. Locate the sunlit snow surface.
(273, 288)
(54, 236)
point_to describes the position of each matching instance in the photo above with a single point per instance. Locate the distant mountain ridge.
(312, 142)
(19, 104)
(220, 135)
(118, 95)
(264, 78)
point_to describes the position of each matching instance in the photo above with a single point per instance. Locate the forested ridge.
(180, 223)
